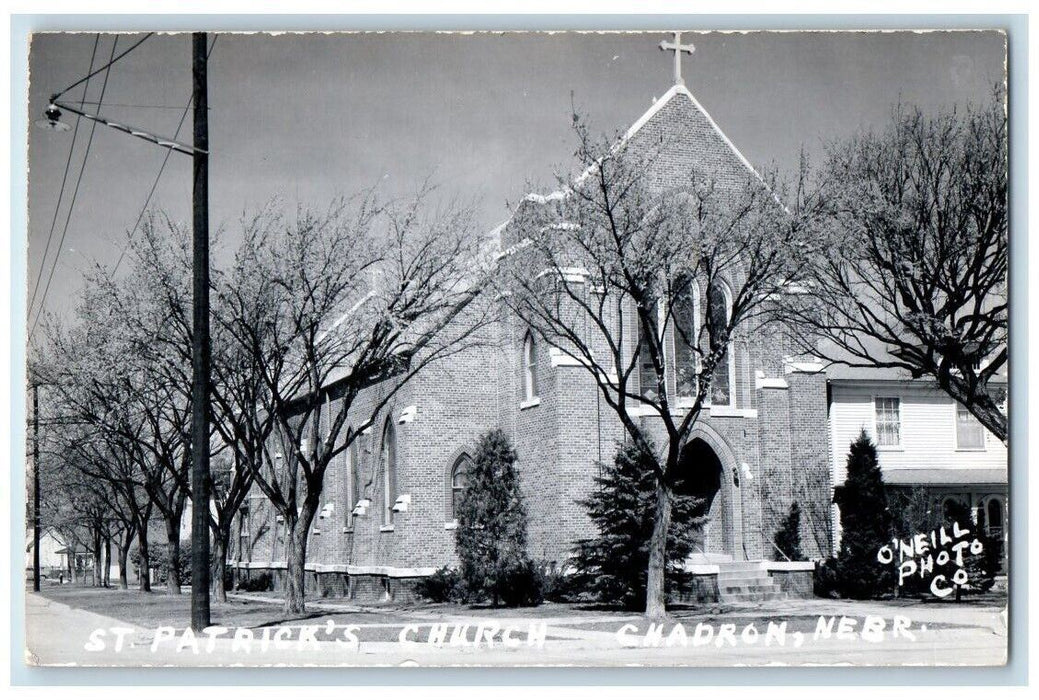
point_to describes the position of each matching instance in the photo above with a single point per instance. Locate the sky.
(306, 118)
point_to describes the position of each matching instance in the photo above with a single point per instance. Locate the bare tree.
(162, 267)
(610, 269)
(914, 273)
(323, 307)
(106, 465)
(117, 370)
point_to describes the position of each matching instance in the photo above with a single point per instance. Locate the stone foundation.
(362, 588)
(702, 588)
(796, 579)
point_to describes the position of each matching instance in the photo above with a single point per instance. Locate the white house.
(924, 439)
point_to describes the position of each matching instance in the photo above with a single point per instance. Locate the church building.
(388, 515)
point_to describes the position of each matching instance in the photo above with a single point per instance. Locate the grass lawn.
(159, 608)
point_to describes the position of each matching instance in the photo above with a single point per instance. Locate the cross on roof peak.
(678, 47)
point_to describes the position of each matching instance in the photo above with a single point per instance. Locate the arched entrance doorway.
(704, 475)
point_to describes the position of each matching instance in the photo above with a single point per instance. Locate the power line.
(61, 192)
(162, 167)
(151, 192)
(130, 104)
(111, 60)
(75, 192)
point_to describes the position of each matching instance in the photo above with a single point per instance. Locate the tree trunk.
(988, 414)
(98, 558)
(145, 582)
(108, 562)
(123, 553)
(297, 558)
(980, 403)
(656, 603)
(220, 537)
(173, 554)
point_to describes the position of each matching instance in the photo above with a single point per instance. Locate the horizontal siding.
(928, 430)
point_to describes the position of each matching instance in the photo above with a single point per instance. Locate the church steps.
(746, 581)
(751, 597)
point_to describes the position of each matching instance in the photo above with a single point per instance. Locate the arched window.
(722, 379)
(356, 489)
(459, 476)
(953, 506)
(995, 517)
(350, 479)
(686, 310)
(648, 385)
(389, 471)
(530, 367)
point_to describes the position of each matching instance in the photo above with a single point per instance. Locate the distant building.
(925, 440)
(52, 552)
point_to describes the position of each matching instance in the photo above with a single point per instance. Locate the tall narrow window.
(970, 435)
(530, 367)
(244, 533)
(722, 376)
(389, 471)
(649, 334)
(889, 422)
(459, 474)
(348, 482)
(686, 312)
(355, 473)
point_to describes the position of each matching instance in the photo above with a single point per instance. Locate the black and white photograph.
(669, 348)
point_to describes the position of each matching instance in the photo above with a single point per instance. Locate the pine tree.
(914, 511)
(788, 537)
(491, 538)
(612, 566)
(865, 525)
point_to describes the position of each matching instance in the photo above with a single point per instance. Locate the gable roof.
(682, 91)
(675, 92)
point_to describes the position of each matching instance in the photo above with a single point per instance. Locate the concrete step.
(766, 588)
(751, 597)
(756, 576)
(741, 575)
(740, 566)
(709, 558)
(746, 582)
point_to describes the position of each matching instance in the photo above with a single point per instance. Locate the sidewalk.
(940, 635)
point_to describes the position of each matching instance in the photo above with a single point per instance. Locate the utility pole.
(200, 342)
(36, 486)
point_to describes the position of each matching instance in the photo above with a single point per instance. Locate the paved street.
(870, 634)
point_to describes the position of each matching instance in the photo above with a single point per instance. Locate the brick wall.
(769, 441)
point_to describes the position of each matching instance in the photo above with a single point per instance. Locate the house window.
(459, 475)
(389, 471)
(686, 313)
(970, 435)
(889, 422)
(530, 367)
